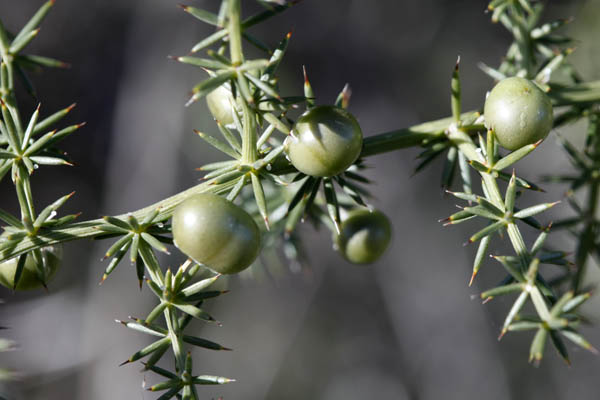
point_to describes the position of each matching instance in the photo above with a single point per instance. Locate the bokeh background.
(404, 328)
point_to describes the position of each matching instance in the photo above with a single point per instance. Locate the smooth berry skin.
(219, 103)
(216, 233)
(364, 236)
(324, 141)
(518, 112)
(29, 279)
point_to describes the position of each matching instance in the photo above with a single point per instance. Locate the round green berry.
(518, 112)
(324, 141)
(364, 236)
(220, 102)
(30, 278)
(215, 232)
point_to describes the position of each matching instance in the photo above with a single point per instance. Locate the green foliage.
(180, 299)
(254, 120)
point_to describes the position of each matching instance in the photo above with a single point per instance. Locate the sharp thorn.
(501, 335)
(472, 278)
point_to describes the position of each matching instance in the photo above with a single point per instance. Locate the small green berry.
(518, 112)
(29, 276)
(364, 236)
(215, 232)
(220, 103)
(324, 142)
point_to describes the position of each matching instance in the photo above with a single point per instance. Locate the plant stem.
(9, 98)
(464, 143)
(373, 145)
(89, 229)
(467, 147)
(235, 32)
(408, 137)
(580, 94)
(249, 136)
(523, 39)
(176, 344)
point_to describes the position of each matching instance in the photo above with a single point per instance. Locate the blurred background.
(404, 328)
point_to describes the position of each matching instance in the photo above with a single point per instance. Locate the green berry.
(215, 232)
(324, 142)
(518, 112)
(364, 236)
(29, 276)
(220, 103)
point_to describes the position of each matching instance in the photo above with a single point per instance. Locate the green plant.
(283, 193)
(364, 236)
(26, 147)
